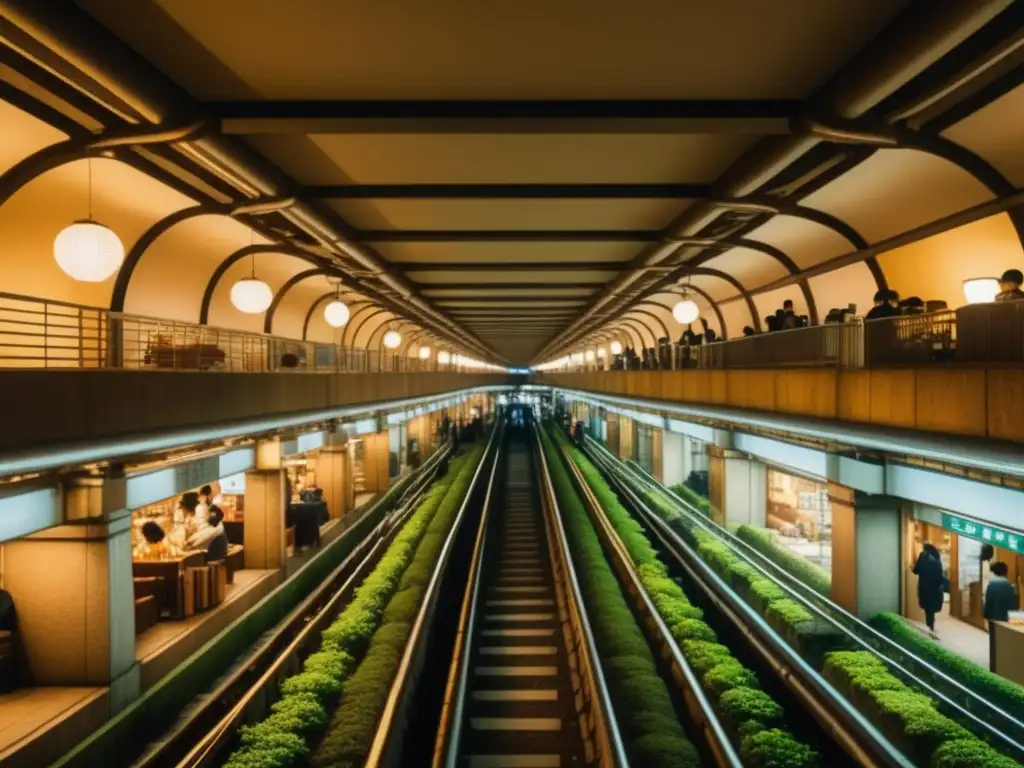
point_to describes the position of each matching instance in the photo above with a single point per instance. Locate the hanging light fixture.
(602, 352)
(424, 353)
(86, 250)
(981, 290)
(686, 310)
(392, 339)
(444, 357)
(616, 347)
(336, 313)
(589, 355)
(250, 294)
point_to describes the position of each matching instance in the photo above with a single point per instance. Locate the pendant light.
(250, 294)
(336, 313)
(444, 357)
(392, 339)
(86, 250)
(616, 347)
(424, 353)
(981, 290)
(686, 310)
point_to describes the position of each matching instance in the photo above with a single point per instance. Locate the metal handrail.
(40, 333)
(860, 738)
(383, 749)
(699, 707)
(606, 711)
(449, 735)
(827, 610)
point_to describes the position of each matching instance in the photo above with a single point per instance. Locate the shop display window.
(800, 513)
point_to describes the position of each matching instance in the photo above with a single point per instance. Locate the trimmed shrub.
(969, 753)
(813, 576)
(665, 751)
(728, 675)
(742, 706)
(692, 629)
(703, 656)
(1001, 692)
(776, 748)
(687, 494)
(405, 605)
(280, 740)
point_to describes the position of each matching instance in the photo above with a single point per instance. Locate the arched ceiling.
(506, 204)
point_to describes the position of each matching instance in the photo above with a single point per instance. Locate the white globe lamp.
(392, 339)
(602, 353)
(251, 296)
(336, 313)
(589, 355)
(685, 311)
(88, 251)
(616, 347)
(424, 353)
(444, 357)
(981, 290)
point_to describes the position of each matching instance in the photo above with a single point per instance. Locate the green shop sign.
(997, 537)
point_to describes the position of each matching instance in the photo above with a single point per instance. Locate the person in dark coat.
(930, 580)
(1000, 598)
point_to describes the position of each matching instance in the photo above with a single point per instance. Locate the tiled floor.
(959, 637)
(153, 640)
(24, 712)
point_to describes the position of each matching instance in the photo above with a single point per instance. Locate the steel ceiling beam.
(509, 236)
(509, 266)
(509, 191)
(502, 286)
(575, 116)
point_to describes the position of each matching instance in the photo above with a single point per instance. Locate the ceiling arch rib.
(376, 338)
(351, 332)
(291, 282)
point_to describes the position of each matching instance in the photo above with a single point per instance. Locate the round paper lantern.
(444, 357)
(602, 352)
(424, 353)
(981, 290)
(392, 339)
(88, 251)
(336, 313)
(685, 312)
(616, 347)
(251, 295)
(589, 355)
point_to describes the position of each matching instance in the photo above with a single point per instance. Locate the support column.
(613, 432)
(674, 458)
(866, 562)
(332, 473)
(265, 503)
(627, 450)
(657, 453)
(738, 488)
(72, 587)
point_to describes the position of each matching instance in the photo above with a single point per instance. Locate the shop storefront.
(800, 514)
(967, 548)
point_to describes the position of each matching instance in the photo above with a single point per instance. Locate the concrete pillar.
(265, 504)
(613, 432)
(866, 562)
(674, 458)
(627, 450)
(657, 453)
(332, 474)
(72, 588)
(738, 487)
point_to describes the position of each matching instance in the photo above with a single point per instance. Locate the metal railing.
(37, 333)
(980, 333)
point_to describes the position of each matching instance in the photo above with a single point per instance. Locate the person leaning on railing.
(1009, 286)
(886, 305)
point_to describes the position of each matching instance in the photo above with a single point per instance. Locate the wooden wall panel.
(892, 398)
(951, 401)
(1005, 403)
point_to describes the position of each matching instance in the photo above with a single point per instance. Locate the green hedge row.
(1001, 692)
(753, 718)
(689, 495)
(908, 718)
(643, 706)
(282, 740)
(813, 576)
(364, 695)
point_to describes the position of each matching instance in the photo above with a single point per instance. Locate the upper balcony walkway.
(956, 373)
(72, 374)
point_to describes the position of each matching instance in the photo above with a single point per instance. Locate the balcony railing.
(36, 333)
(980, 333)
